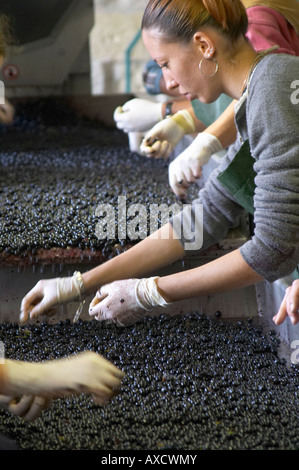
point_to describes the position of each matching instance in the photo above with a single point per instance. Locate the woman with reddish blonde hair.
(202, 48)
(270, 23)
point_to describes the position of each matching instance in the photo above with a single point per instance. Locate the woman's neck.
(236, 71)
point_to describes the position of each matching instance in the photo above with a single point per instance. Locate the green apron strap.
(238, 177)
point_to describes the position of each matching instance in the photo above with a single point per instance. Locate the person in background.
(271, 22)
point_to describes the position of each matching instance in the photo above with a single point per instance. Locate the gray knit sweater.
(268, 116)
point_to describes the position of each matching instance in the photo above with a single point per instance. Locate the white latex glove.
(161, 140)
(49, 293)
(186, 168)
(86, 372)
(126, 302)
(29, 407)
(137, 115)
(135, 139)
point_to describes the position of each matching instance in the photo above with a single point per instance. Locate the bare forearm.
(221, 275)
(158, 250)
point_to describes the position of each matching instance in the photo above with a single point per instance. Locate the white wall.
(116, 24)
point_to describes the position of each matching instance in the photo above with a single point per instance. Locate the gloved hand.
(29, 407)
(135, 139)
(49, 293)
(86, 372)
(161, 140)
(127, 301)
(137, 115)
(184, 169)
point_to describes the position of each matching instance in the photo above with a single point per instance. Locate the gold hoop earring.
(210, 75)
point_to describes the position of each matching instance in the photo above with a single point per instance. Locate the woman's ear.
(204, 43)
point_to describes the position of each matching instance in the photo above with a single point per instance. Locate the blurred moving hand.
(38, 383)
(28, 407)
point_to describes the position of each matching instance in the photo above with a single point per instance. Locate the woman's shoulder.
(273, 82)
(277, 69)
(271, 109)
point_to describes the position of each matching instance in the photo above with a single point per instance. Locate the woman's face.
(180, 66)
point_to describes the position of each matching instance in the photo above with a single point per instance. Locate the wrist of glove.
(187, 167)
(127, 301)
(147, 295)
(202, 148)
(137, 115)
(70, 288)
(185, 121)
(161, 140)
